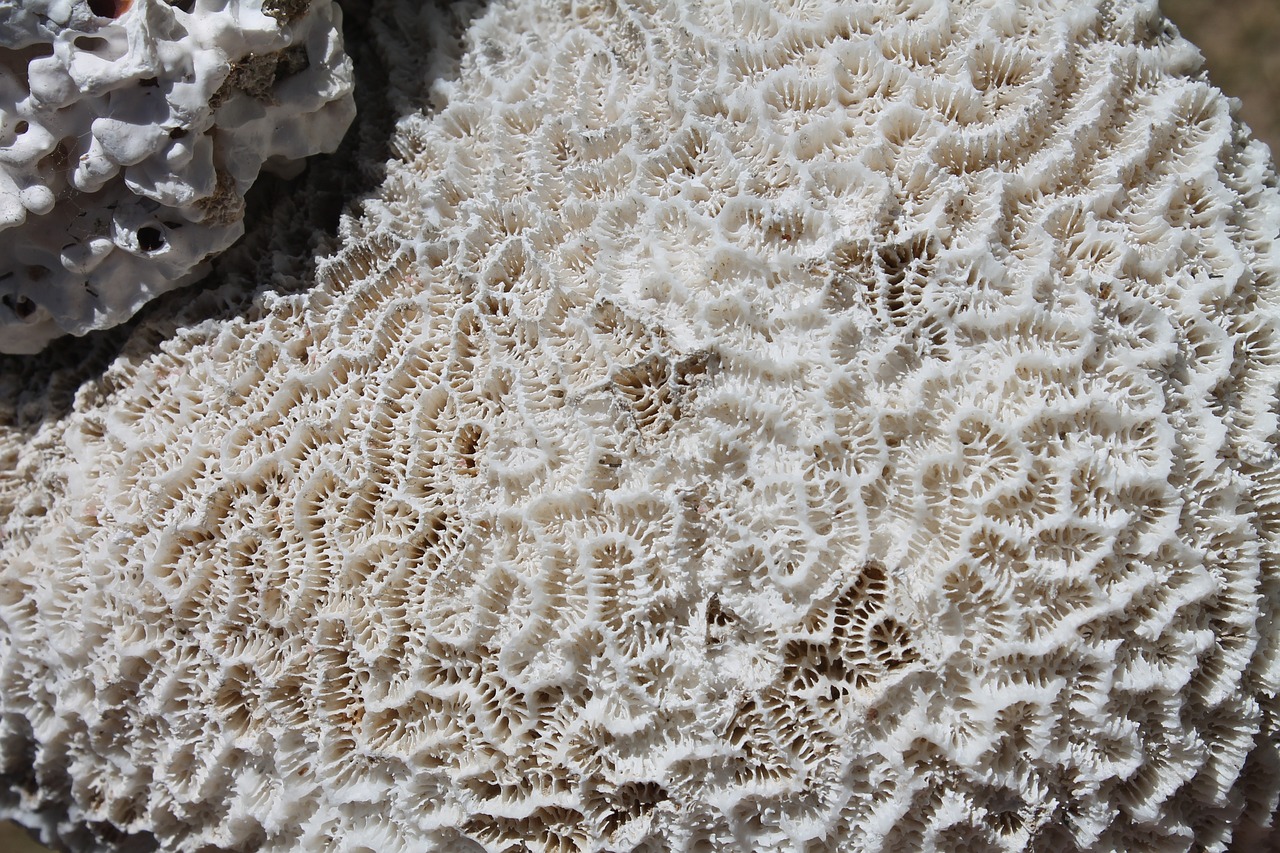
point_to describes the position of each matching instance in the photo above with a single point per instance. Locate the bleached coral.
(129, 133)
(733, 426)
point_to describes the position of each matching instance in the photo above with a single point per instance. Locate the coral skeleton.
(129, 134)
(742, 425)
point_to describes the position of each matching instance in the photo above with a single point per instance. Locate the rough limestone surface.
(731, 426)
(129, 133)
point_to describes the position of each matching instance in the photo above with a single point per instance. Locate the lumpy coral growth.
(129, 134)
(730, 426)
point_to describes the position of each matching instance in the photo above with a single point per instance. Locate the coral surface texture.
(129, 133)
(725, 426)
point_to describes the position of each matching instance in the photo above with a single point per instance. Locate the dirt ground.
(1241, 43)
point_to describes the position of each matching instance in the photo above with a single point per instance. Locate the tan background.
(1241, 41)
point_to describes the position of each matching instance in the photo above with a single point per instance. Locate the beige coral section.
(733, 426)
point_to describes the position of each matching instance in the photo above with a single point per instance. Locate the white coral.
(129, 133)
(733, 426)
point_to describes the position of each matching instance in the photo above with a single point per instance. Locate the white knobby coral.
(733, 425)
(129, 133)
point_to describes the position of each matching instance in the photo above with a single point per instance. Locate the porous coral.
(129, 134)
(732, 426)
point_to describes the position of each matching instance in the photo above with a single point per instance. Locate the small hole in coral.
(150, 82)
(91, 44)
(21, 306)
(109, 8)
(177, 133)
(184, 5)
(21, 127)
(150, 239)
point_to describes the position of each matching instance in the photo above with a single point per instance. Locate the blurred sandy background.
(1241, 43)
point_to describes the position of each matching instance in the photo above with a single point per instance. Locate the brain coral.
(129, 133)
(731, 426)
